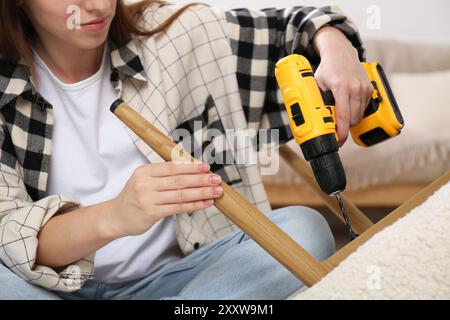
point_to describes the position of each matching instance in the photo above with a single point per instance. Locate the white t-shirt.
(92, 159)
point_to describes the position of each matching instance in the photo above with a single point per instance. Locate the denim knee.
(307, 227)
(12, 287)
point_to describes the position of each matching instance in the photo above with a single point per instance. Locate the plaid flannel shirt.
(211, 66)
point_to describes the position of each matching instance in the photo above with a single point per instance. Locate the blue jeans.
(232, 267)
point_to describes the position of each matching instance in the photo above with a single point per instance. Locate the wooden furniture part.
(243, 214)
(253, 222)
(359, 221)
(382, 196)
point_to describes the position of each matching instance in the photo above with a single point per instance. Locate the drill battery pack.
(382, 118)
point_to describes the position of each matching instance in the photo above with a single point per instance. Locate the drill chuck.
(329, 173)
(322, 153)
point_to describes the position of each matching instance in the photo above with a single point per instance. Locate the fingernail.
(214, 179)
(203, 167)
(218, 191)
(208, 203)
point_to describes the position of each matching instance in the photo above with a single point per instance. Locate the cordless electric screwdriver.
(313, 120)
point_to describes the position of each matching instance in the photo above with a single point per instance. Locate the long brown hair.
(17, 32)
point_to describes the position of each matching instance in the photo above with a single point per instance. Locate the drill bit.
(352, 233)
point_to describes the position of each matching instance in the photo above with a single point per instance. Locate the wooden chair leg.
(233, 205)
(360, 222)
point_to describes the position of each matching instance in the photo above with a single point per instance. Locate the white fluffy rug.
(408, 260)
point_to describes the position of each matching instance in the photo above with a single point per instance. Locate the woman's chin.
(90, 43)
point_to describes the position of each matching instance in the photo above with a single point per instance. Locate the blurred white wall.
(411, 20)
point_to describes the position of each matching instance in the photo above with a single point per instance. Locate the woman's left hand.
(341, 72)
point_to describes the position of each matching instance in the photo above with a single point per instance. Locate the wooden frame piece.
(255, 223)
(392, 195)
(358, 219)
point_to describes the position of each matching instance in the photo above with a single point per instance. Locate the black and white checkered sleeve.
(259, 38)
(21, 219)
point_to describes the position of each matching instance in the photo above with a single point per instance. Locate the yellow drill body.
(299, 88)
(316, 117)
(313, 120)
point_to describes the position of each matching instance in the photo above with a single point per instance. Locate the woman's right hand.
(155, 191)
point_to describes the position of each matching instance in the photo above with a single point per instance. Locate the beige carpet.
(408, 260)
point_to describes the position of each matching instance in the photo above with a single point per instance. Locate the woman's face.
(82, 24)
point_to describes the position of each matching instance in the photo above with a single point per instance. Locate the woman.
(80, 193)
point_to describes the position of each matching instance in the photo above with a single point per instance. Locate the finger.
(366, 95)
(364, 104)
(342, 113)
(356, 104)
(171, 209)
(186, 181)
(188, 195)
(173, 168)
(321, 83)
